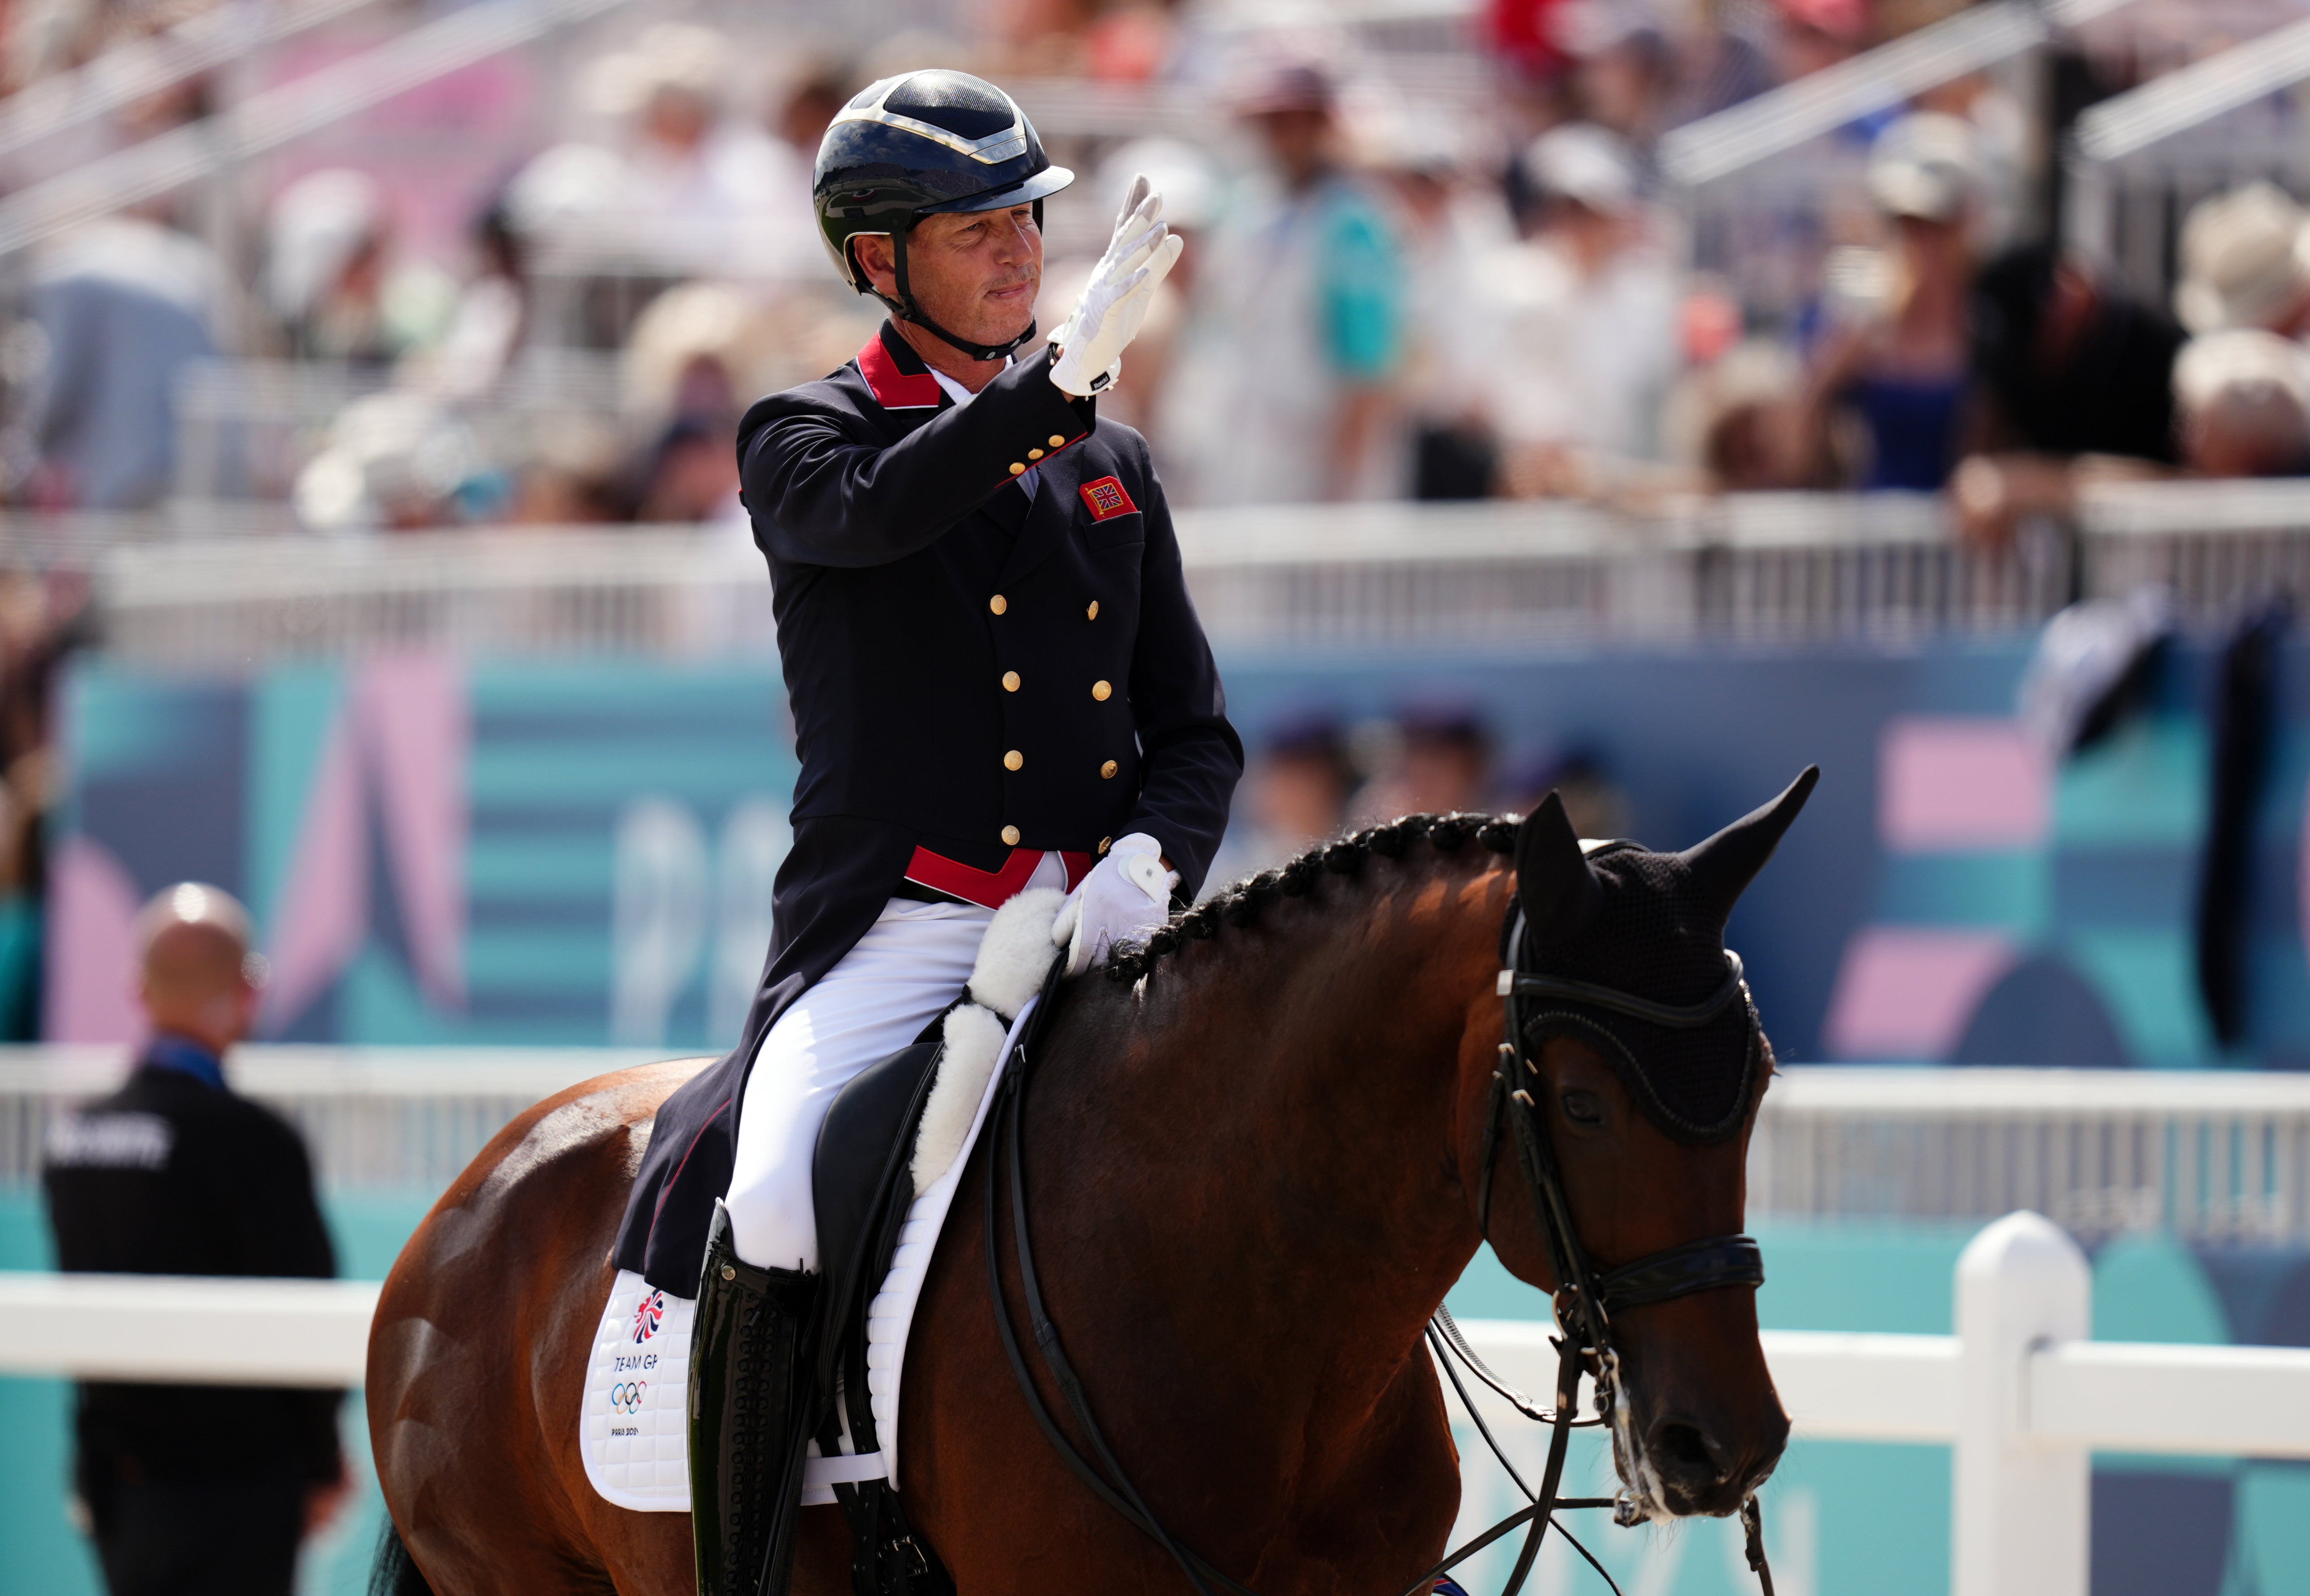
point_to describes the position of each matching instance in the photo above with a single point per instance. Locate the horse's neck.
(1286, 1119)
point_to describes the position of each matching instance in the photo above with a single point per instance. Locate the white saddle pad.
(633, 1432)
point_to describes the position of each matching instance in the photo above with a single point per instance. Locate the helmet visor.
(1041, 185)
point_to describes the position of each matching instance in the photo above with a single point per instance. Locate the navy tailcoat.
(976, 674)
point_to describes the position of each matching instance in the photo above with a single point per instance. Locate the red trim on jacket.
(990, 889)
(893, 388)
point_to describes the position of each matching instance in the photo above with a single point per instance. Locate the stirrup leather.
(748, 1418)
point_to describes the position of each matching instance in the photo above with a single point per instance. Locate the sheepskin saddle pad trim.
(633, 1430)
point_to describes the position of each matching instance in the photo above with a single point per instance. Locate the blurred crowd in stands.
(1317, 773)
(1492, 293)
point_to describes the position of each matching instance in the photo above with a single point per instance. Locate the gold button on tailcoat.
(1105, 843)
(1057, 442)
(1034, 454)
(1013, 760)
(1091, 613)
(1010, 681)
(1100, 691)
(1107, 771)
(1017, 468)
(998, 603)
(1010, 837)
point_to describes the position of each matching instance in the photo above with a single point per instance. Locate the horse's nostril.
(1684, 1450)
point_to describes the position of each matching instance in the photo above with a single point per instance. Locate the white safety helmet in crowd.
(315, 228)
(1588, 165)
(2246, 259)
(1926, 166)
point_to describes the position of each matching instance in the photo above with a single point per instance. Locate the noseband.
(1585, 1299)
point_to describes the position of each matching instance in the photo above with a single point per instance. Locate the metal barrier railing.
(1769, 569)
(2208, 1154)
(410, 1118)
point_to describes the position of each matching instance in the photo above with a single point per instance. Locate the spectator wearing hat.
(1581, 320)
(690, 189)
(2242, 398)
(1282, 391)
(2245, 263)
(1898, 359)
(326, 239)
(194, 1490)
(2241, 407)
(1294, 795)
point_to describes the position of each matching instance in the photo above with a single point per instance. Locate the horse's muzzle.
(1701, 1470)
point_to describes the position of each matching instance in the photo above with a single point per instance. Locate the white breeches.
(912, 963)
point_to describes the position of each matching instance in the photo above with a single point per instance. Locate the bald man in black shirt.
(192, 1489)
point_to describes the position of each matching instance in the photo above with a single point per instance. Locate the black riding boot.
(750, 1359)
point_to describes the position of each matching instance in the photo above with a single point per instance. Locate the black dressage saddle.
(863, 1183)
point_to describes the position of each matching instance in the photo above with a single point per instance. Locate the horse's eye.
(1584, 1108)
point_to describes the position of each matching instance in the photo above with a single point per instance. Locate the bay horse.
(1257, 1156)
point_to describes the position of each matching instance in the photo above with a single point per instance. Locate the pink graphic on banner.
(91, 947)
(1906, 993)
(412, 707)
(395, 756)
(1945, 783)
(323, 916)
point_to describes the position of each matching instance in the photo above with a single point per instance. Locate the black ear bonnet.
(1651, 926)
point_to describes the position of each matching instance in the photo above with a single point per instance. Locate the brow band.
(1677, 1016)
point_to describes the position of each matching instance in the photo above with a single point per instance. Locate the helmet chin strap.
(907, 307)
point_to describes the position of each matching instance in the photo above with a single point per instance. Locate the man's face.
(976, 274)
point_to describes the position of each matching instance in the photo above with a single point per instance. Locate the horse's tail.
(395, 1573)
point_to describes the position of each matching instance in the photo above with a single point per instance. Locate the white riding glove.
(1127, 896)
(1114, 304)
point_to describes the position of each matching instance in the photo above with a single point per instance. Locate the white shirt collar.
(955, 390)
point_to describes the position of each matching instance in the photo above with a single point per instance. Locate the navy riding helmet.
(916, 145)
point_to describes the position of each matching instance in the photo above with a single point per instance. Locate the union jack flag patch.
(1107, 499)
(646, 1317)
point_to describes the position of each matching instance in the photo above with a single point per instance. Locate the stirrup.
(750, 1418)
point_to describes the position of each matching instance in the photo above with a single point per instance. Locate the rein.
(1583, 1302)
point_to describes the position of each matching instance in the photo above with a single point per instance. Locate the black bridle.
(1585, 1300)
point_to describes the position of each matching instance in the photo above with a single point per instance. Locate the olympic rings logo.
(626, 1395)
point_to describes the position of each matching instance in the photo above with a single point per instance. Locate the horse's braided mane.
(1240, 905)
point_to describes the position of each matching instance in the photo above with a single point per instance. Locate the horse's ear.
(1559, 890)
(1723, 866)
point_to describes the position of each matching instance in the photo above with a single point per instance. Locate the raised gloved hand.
(1127, 896)
(1091, 340)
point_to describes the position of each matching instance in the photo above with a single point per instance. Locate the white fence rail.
(2204, 1154)
(2019, 1393)
(184, 1329)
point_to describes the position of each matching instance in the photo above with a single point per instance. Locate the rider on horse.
(997, 681)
